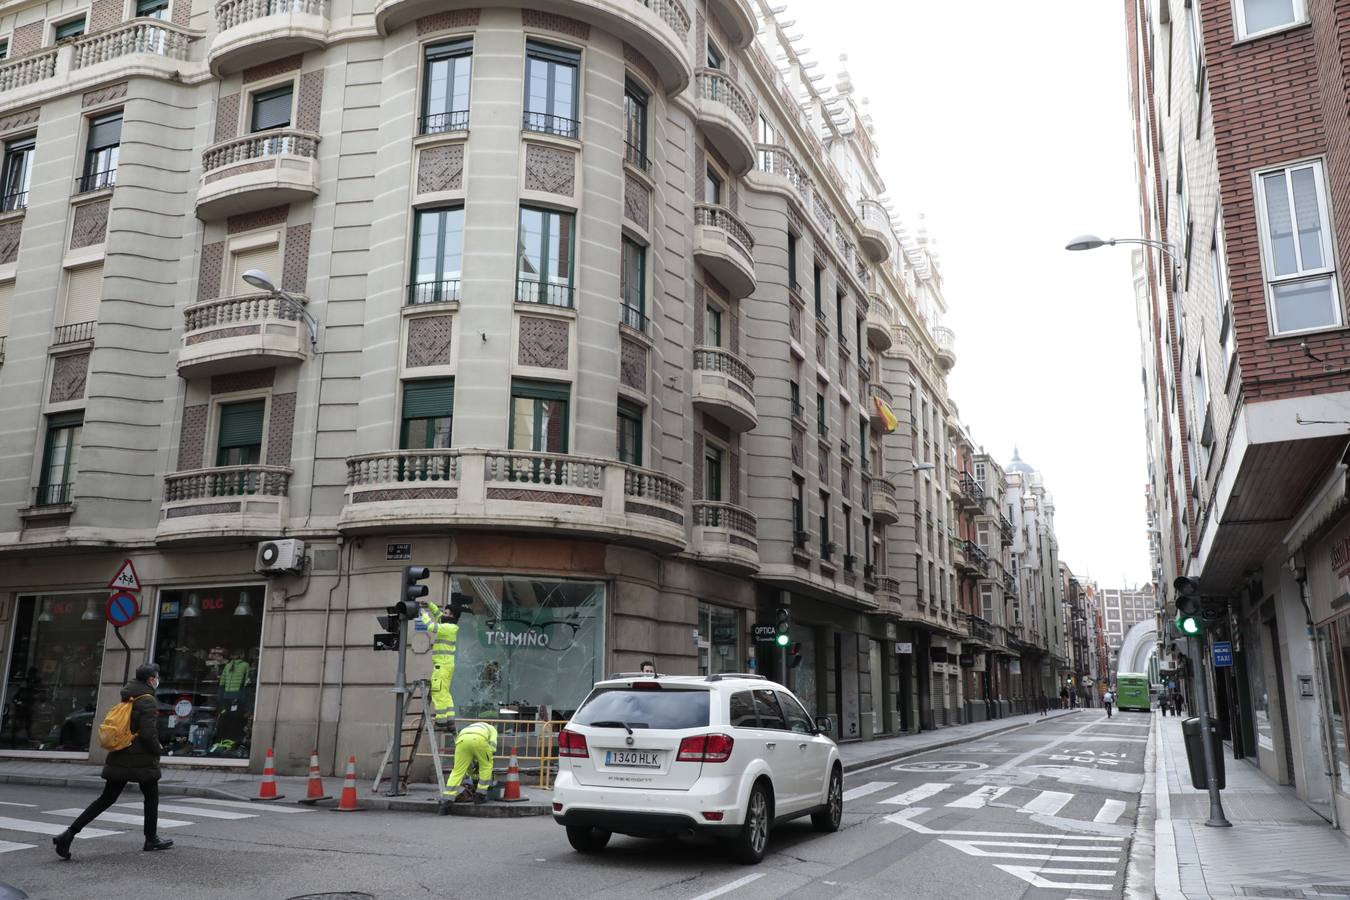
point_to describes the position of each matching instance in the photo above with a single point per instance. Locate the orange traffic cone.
(314, 793)
(347, 802)
(511, 784)
(268, 789)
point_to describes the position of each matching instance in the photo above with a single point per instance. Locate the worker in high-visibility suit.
(443, 629)
(474, 744)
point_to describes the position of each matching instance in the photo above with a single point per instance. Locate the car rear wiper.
(623, 725)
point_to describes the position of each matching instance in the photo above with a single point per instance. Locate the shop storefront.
(719, 640)
(207, 642)
(532, 646)
(56, 654)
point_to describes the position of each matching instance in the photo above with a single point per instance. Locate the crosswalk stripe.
(922, 792)
(1110, 811)
(980, 797)
(1048, 802)
(29, 805)
(36, 827)
(119, 818)
(965, 847)
(256, 807)
(205, 812)
(863, 790)
(1053, 845)
(7, 846)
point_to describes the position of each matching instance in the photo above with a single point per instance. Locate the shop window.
(428, 414)
(635, 125)
(630, 433)
(51, 693)
(633, 284)
(67, 30)
(445, 90)
(545, 257)
(719, 646)
(438, 255)
(530, 645)
(539, 414)
(101, 151)
(551, 89)
(272, 108)
(17, 175)
(152, 9)
(1336, 641)
(60, 456)
(207, 644)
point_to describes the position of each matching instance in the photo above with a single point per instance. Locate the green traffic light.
(783, 640)
(1188, 625)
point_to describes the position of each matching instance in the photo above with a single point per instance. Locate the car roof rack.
(720, 675)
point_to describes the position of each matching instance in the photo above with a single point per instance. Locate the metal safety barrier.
(535, 744)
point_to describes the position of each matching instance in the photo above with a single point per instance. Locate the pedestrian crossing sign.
(125, 579)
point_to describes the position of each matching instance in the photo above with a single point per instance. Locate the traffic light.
(413, 589)
(393, 629)
(458, 604)
(1188, 606)
(782, 638)
(795, 657)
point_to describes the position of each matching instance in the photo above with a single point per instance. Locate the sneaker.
(62, 843)
(156, 843)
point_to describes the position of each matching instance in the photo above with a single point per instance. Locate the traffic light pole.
(1217, 819)
(400, 700)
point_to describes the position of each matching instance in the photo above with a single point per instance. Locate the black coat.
(140, 761)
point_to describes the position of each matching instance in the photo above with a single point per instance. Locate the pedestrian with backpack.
(131, 733)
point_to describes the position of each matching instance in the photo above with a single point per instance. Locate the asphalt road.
(1041, 812)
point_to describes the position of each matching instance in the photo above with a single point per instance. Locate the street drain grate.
(339, 895)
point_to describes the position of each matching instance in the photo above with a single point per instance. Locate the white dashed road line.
(33, 826)
(251, 807)
(117, 818)
(204, 812)
(863, 790)
(728, 888)
(922, 792)
(1110, 811)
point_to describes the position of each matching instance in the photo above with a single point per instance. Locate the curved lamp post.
(259, 279)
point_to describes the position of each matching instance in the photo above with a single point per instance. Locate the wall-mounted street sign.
(903, 647)
(125, 579)
(398, 551)
(1222, 652)
(121, 608)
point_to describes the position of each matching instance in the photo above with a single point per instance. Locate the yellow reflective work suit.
(474, 743)
(443, 636)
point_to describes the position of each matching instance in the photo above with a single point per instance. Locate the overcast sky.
(1013, 137)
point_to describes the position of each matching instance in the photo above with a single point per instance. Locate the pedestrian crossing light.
(783, 638)
(1188, 606)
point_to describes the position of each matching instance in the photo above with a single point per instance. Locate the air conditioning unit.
(278, 557)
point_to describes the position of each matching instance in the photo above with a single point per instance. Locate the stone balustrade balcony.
(874, 230)
(249, 32)
(725, 537)
(724, 388)
(945, 340)
(515, 491)
(726, 113)
(258, 171)
(152, 37)
(224, 502)
(885, 506)
(879, 335)
(235, 333)
(724, 247)
(777, 169)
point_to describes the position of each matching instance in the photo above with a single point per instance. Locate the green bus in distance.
(1132, 691)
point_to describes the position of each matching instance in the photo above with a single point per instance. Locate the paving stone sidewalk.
(1277, 847)
(233, 784)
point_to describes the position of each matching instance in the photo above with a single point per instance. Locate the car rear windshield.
(645, 708)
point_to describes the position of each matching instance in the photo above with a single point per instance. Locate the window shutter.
(105, 132)
(241, 424)
(84, 288)
(6, 301)
(266, 258)
(429, 399)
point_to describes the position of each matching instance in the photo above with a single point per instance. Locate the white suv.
(731, 755)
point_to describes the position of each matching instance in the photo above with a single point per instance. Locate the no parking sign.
(122, 608)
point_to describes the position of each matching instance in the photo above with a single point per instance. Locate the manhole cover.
(338, 895)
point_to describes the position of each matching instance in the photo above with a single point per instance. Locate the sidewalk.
(1277, 847)
(235, 784)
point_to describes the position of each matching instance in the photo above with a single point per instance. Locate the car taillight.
(572, 744)
(707, 748)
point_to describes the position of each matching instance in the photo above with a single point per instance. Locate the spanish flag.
(887, 416)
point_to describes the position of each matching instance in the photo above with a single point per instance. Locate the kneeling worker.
(476, 743)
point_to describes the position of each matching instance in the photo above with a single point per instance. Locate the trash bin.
(1195, 752)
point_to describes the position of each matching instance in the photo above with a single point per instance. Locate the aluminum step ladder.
(418, 722)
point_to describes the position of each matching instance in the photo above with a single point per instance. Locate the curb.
(1142, 863)
(96, 783)
(859, 765)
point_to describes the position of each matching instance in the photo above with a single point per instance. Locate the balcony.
(727, 117)
(724, 388)
(258, 171)
(885, 508)
(1010, 585)
(29, 69)
(139, 37)
(723, 246)
(738, 21)
(225, 501)
(514, 491)
(233, 333)
(725, 537)
(874, 230)
(874, 417)
(776, 169)
(75, 333)
(977, 558)
(969, 491)
(945, 339)
(1005, 530)
(878, 330)
(888, 595)
(249, 32)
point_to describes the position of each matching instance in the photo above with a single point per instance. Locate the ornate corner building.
(593, 308)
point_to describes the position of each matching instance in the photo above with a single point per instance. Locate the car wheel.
(754, 837)
(828, 819)
(585, 839)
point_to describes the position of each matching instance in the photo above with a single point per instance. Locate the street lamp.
(922, 467)
(258, 279)
(1092, 242)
